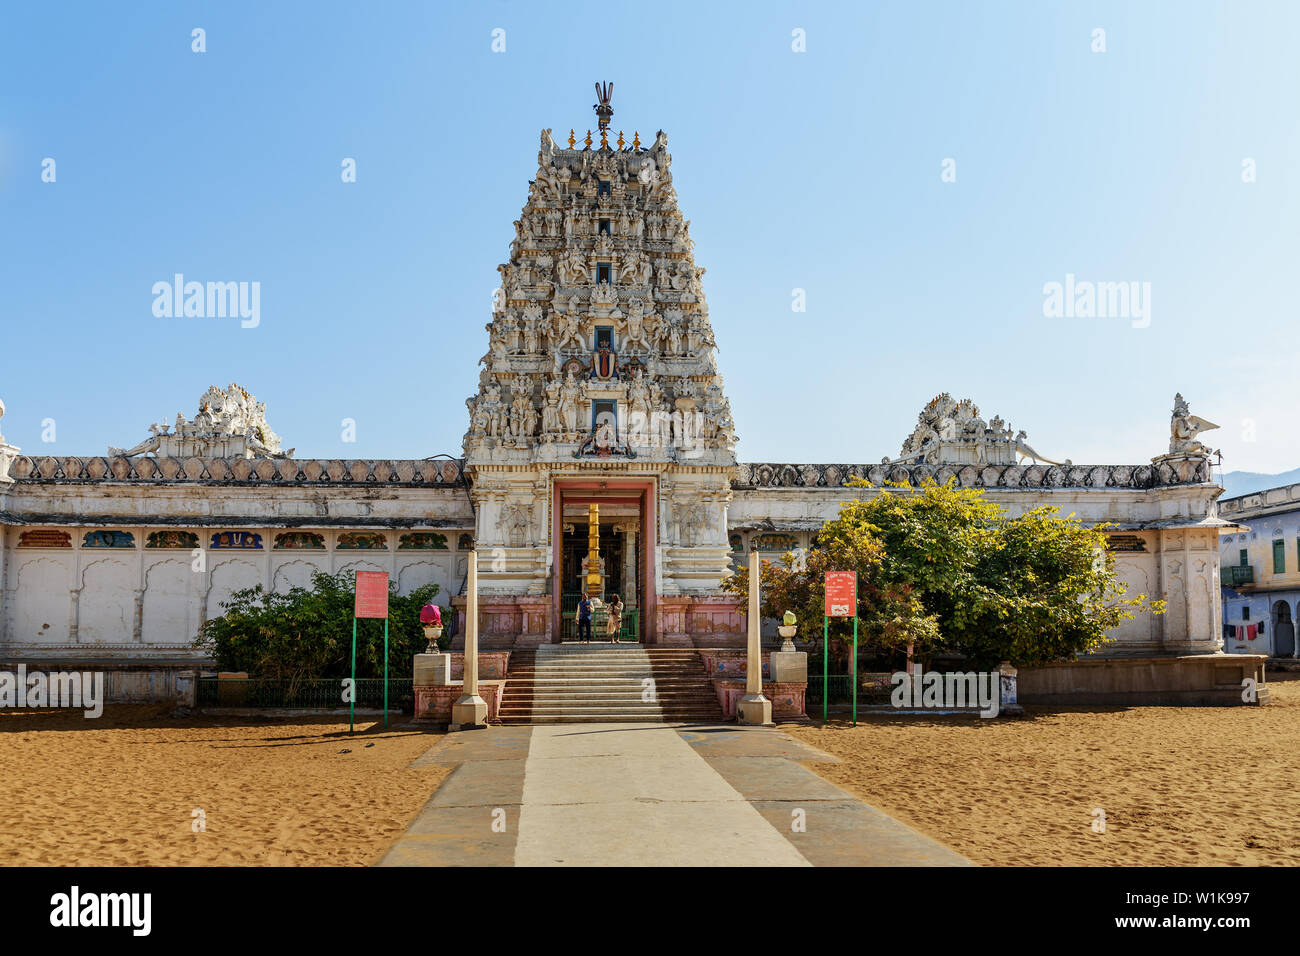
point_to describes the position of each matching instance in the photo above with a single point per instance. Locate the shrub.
(307, 633)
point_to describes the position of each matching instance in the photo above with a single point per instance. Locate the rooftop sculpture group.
(229, 424)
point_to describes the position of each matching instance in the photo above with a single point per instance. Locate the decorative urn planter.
(431, 618)
(786, 629)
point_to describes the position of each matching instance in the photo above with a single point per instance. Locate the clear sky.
(817, 170)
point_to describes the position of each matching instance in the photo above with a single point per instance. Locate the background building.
(1261, 572)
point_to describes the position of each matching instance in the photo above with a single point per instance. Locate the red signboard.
(372, 594)
(841, 593)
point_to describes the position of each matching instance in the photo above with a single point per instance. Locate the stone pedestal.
(468, 713)
(788, 667)
(432, 670)
(755, 709)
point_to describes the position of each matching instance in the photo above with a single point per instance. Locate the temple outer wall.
(102, 568)
(1165, 542)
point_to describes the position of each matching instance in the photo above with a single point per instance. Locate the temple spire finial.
(603, 110)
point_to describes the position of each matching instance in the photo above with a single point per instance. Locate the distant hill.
(1246, 482)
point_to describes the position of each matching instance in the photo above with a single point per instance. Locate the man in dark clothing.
(584, 619)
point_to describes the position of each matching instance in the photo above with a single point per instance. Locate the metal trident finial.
(603, 110)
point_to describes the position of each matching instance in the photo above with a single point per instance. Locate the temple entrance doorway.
(603, 546)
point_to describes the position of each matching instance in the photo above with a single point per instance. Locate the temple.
(600, 455)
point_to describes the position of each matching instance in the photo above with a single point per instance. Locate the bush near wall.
(307, 632)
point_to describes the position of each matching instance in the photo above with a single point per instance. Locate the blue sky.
(817, 170)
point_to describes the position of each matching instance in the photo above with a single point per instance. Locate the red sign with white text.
(841, 593)
(372, 594)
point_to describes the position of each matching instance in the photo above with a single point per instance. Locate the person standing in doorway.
(615, 618)
(584, 619)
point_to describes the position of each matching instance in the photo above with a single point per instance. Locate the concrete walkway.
(647, 795)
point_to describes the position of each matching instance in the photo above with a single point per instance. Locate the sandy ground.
(1180, 786)
(120, 790)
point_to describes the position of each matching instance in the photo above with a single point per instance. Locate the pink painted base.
(492, 665)
(787, 698)
(433, 703)
(730, 662)
(506, 620)
(707, 620)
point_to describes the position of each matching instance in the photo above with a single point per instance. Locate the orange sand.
(1180, 786)
(120, 790)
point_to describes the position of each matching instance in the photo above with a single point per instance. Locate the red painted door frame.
(587, 491)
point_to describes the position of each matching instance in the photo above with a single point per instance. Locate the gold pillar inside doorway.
(593, 550)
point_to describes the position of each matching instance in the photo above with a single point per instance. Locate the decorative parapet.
(1190, 471)
(259, 471)
(1284, 498)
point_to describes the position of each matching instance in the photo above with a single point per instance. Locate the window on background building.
(1279, 556)
(604, 336)
(604, 227)
(603, 188)
(1245, 560)
(602, 272)
(1245, 613)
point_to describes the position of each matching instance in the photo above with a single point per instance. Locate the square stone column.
(470, 711)
(754, 708)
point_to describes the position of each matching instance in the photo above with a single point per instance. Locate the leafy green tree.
(307, 633)
(1045, 591)
(889, 613)
(1029, 589)
(943, 568)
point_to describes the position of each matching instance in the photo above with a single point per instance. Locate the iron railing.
(1234, 575)
(315, 693)
(873, 688)
(629, 629)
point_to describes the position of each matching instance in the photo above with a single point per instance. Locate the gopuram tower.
(601, 448)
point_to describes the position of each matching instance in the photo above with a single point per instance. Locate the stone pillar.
(470, 711)
(754, 708)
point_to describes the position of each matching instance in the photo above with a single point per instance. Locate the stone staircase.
(607, 683)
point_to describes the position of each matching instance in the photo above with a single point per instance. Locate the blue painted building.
(1260, 572)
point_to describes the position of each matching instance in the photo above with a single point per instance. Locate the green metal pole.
(385, 672)
(855, 670)
(352, 704)
(826, 656)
